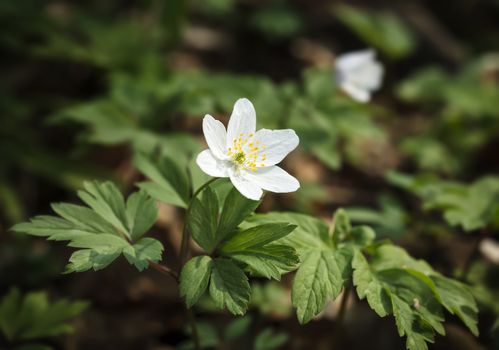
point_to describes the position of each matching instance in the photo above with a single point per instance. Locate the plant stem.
(184, 245)
(184, 250)
(194, 329)
(165, 270)
(343, 305)
(475, 252)
(340, 319)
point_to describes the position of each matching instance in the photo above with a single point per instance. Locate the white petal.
(274, 179)
(215, 135)
(274, 145)
(245, 186)
(355, 92)
(211, 165)
(352, 60)
(358, 74)
(242, 120)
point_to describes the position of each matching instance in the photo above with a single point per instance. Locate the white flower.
(359, 74)
(248, 157)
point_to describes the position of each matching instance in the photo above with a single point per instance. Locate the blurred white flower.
(248, 157)
(359, 74)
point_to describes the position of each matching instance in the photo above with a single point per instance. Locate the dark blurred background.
(86, 85)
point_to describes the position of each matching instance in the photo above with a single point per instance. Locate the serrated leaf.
(270, 261)
(235, 209)
(416, 293)
(143, 251)
(86, 259)
(256, 236)
(368, 286)
(83, 217)
(107, 201)
(318, 279)
(203, 220)
(405, 322)
(194, 279)
(457, 299)
(104, 231)
(229, 287)
(310, 233)
(169, 183)
(141, 213)
(251, 247)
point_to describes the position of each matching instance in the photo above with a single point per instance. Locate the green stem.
(184, 250)
(343, 305)
(184, 245)
(165, 270)
(339, 329)
(475, 253)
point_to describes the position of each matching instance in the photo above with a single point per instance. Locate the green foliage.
(471, 207)
(229, 287)
(395, 283)
(277, 22)
(381, 29)
(268, 339)
(254, 248)
(26, 318)
(207, 227)
(389, 221)
(325, 265)
(250, 249)
(102, 231)
(464, 112)
(194, 278)
(168, 181)
(392, 282)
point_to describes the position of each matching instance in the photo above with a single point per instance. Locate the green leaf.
(472, 206)
(270, 261)
(235, 209)
(83, 217)
(405, 321)
(394, 282)
(169, 183)
(341, 226)
(368, 286)
(319, 279)
(208, 337)
(268, 339)
(107, 201)
(86, 259)
(194, 279)
(310, 233)
(381, 29)
(32, 316)
(143, 251)
(237, 328)
(257, 236)
(457, 299)
(229, 287)
(141, 212)
(102, 232)
(251, 247)
(203, 220)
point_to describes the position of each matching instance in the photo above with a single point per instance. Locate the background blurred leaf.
(381, 29)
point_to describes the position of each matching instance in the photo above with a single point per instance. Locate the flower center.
(240, 158)
(247, 152)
